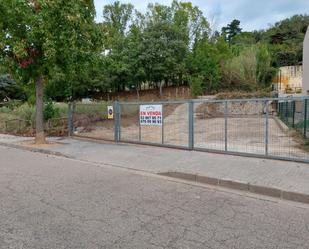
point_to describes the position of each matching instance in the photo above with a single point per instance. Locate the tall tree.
(117, 17)
(286, 40)
(204, 64)
(165, 46)
(231, 30)
(39, 37)
(117, 20)
(191, 21)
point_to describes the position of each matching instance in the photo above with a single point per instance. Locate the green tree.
(9, 89)
(163, 53)
(41, 37)
(191, 21)
(231, 30)
(196, 86)
(117, 19)
(265, 72)
(250, 70)
(204, 63)
(117, 16)
(286, 40)
(150, 48)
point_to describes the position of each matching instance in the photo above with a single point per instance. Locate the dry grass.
(32, 144)
(243, 95)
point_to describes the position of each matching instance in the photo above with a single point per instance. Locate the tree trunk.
(39, 122)
(161, 88)
(137, 91)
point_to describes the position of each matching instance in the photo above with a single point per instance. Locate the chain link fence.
(90, 120)
(21, 127)
(294, 114)
(273, 128)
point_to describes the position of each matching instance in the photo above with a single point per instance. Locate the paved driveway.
(59, 203)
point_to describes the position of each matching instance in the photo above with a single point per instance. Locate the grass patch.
(90, 108)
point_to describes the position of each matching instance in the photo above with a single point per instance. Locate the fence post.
(70, 119)
(139, 125)
(286, 113)
(19, 126)
(162, 127)
(305, 117)
(293, 105)
(117, 122)
(225, 124)
(191, 124)
(266, 126)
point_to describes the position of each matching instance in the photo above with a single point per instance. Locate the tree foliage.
(231, 30)
(43, 38)
(286, 39)
(57, 42)
(9, 89)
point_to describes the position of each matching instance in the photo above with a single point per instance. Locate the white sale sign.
(150, 115)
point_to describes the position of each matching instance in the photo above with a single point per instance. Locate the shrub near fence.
(18, 119)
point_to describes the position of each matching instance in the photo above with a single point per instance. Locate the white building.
(289, 79)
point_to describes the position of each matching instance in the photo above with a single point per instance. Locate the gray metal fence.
(273, 127)
(89, 120)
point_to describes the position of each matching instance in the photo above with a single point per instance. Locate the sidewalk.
(288, 180)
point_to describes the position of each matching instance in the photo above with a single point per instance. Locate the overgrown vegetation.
(19, 118)
(167, 45)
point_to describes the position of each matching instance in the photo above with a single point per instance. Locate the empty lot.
(245, 131)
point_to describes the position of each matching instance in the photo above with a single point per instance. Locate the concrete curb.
(43, 151)
(242, 186)
(226, 183)
(281, 125)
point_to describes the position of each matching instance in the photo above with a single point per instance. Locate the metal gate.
(271, 127)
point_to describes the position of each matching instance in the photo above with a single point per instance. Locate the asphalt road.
(48, 202)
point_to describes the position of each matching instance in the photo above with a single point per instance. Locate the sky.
(253, 14)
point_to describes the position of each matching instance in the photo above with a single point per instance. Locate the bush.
(50, 111)
(5, 109)
(63, 108)
(25, 112)
(9, 89)
(196, 86)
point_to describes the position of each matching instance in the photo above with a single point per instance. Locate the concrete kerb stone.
(180, 175)
(207, 180)
(298, 197)
(262, 190)
(227, 183)
(242, 186)
(43, 151)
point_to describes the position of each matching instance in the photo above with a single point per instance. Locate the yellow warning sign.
(110, 112)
